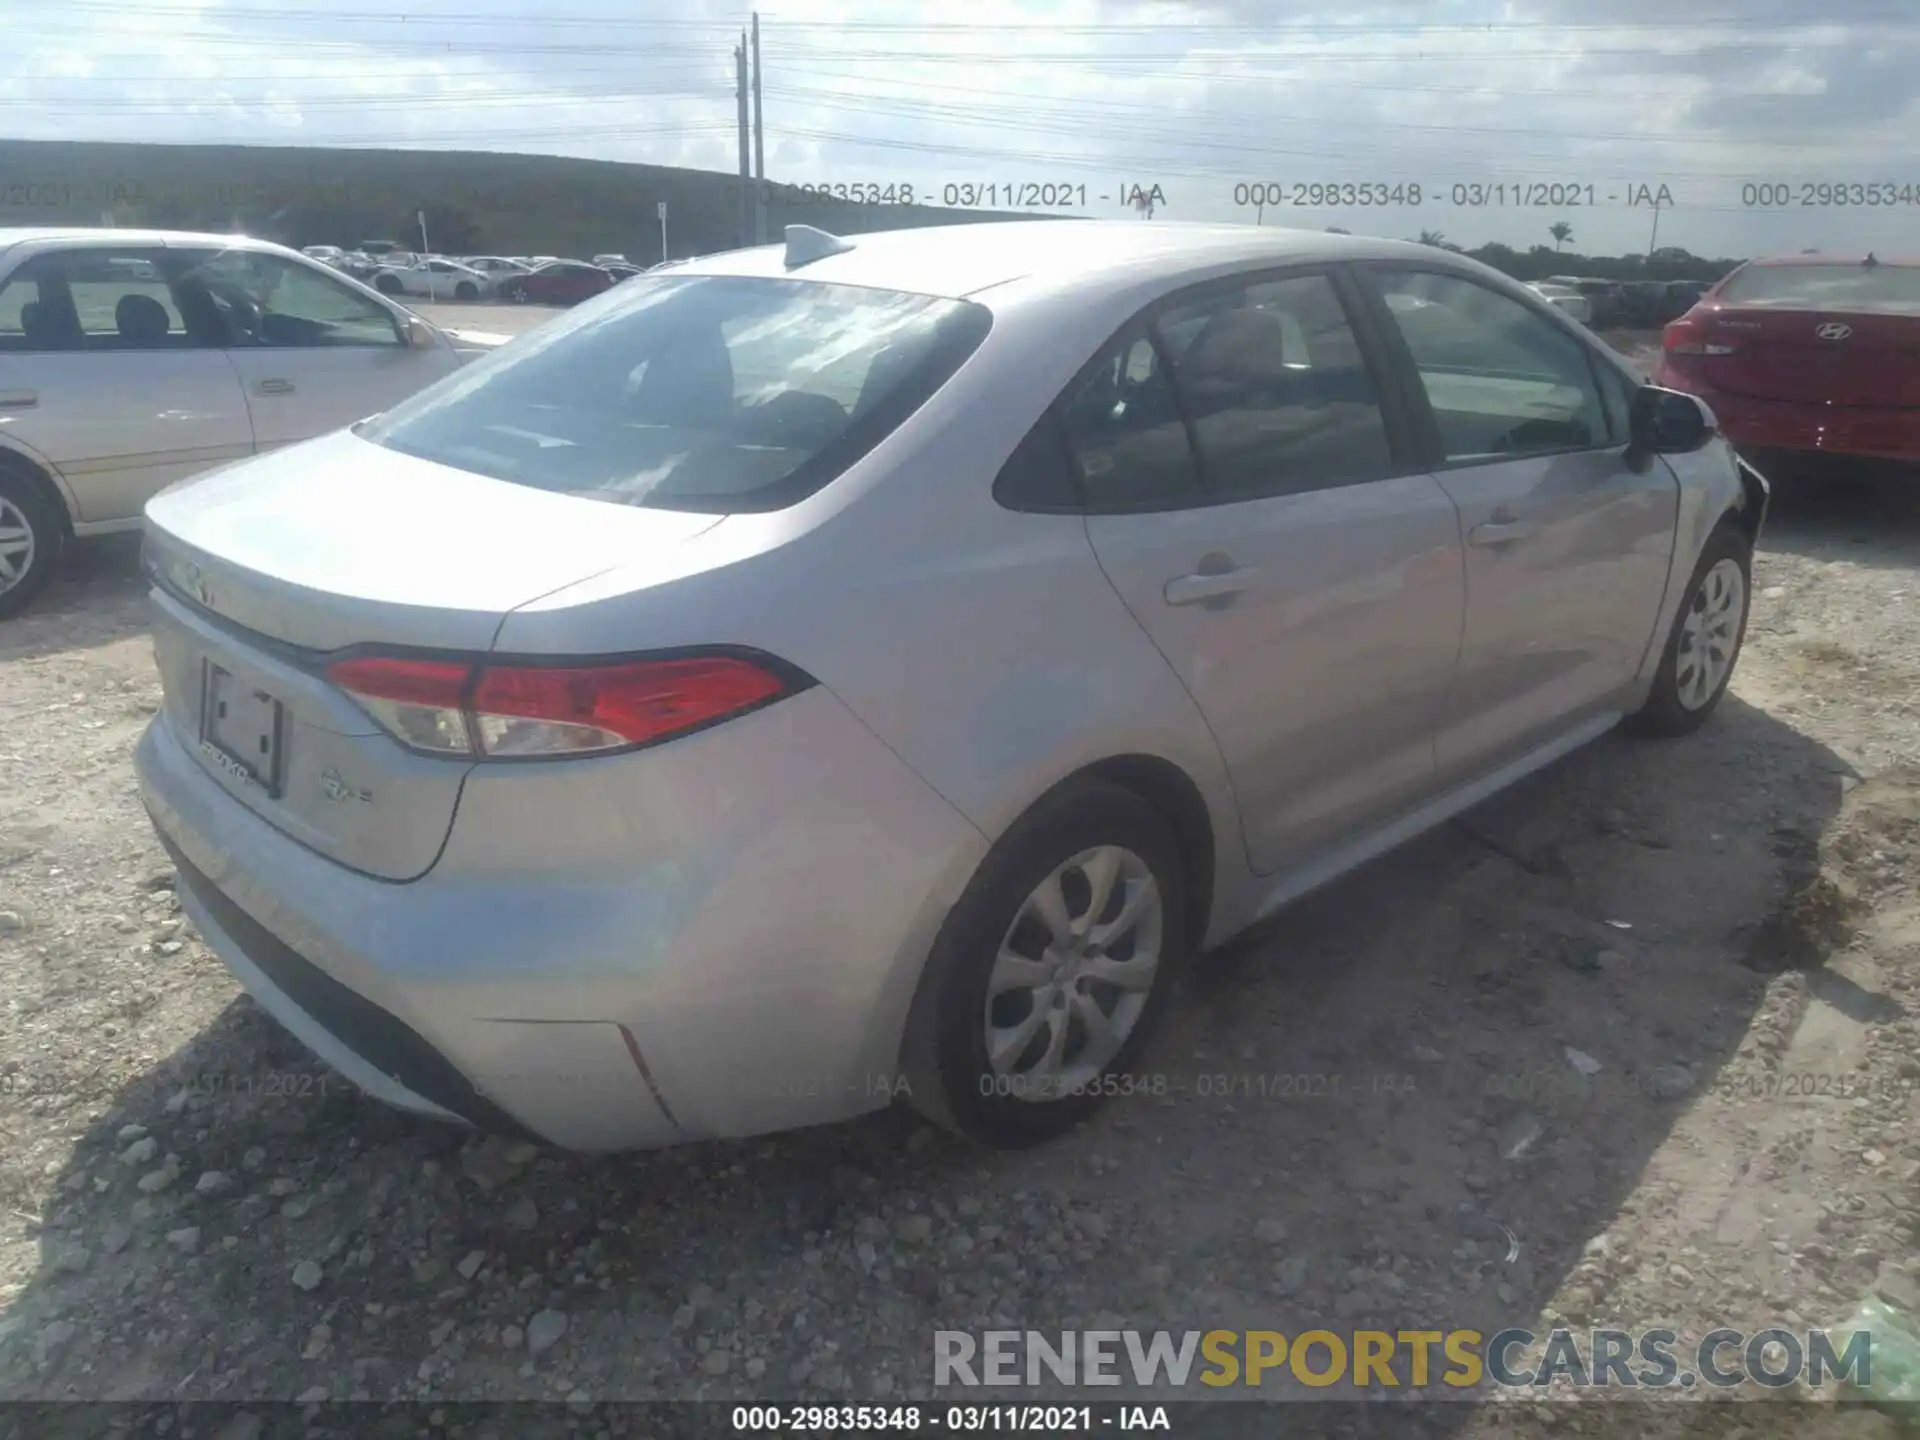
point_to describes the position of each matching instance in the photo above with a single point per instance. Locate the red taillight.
(522, 711)
(1689, 337)
(541, 709)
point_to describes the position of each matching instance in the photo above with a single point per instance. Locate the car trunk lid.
(1861, 358)
(256, 586)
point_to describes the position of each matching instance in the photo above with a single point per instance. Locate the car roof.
(12, 235)
(1854, 258)
(1051, 256)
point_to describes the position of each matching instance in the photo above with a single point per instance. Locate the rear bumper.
(1813, 429)
(597, 964)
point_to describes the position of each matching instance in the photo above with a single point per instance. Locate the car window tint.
(1124, 428)
(707, 393)
(1039, 475)
(1277, 389)
(1616, 396)
(1502, 379)
(93, 300)
(266, 300)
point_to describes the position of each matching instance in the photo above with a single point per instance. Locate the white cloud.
(1197, 98)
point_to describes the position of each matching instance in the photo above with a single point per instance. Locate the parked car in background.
(359, 265)
(1604, 296)
(1807, 358)
(330, 255)
(623, 272)
(558, 282)
(130, 359)
(494, 267)
(1645, 304)
(1564, 297)
(702, 608)
(434, 279)
(1683, 295)
(611, 259)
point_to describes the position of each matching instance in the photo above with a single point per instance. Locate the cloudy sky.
(1749, 123)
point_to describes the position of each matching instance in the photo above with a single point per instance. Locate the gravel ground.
(1370, 1104)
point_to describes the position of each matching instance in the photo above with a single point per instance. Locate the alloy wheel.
(1710, 633)
(1073, 973)
(17, 545)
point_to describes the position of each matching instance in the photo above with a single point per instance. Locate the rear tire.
(1704, 645)
(387, 284)
(466, 290)
(1084, 988)
(32, 536)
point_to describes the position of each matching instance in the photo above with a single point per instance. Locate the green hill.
(476, 202)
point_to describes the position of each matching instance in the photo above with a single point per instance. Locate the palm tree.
(1432, 237)
(1561, 232)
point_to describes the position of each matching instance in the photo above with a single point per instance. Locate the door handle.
(1200, 588)
(1501, 532)
(275, 387)
(19, 399)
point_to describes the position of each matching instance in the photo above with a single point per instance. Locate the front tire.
(1051, 971)
(387, 284)
(1697, 664)
(466, 290)
(31, 539)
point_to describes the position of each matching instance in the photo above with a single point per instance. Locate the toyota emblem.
(1834, 330)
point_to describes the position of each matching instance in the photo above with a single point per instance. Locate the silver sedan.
(867, 670)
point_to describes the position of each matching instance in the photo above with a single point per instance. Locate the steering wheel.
(241, 313)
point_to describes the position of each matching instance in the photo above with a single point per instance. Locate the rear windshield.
(691, 392)
(1893, 289)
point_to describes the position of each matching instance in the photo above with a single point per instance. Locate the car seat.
(142, 321)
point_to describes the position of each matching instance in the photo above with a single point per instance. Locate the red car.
(560, 282)
(1807, 357)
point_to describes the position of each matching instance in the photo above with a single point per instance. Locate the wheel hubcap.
(1710, 633)
(1073, 973)
(16, 545)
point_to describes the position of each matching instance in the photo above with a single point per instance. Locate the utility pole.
(759, 146)
(746, 172)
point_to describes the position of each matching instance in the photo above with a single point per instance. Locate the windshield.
(1891, 289)
(706, 393)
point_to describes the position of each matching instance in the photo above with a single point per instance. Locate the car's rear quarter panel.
(984, 646)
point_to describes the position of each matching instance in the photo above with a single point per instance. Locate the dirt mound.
(1869, 850)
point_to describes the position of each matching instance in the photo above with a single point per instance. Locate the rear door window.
(706, 393)
(97, 299)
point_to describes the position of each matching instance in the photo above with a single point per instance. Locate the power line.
(1032, 115)
(1895, 15)
(1107, 60)
(462, 139)
(458, 100)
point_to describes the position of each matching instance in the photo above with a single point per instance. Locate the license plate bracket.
(241, 729)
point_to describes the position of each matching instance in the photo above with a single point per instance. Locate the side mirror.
(1668, 422)
(420, 335)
